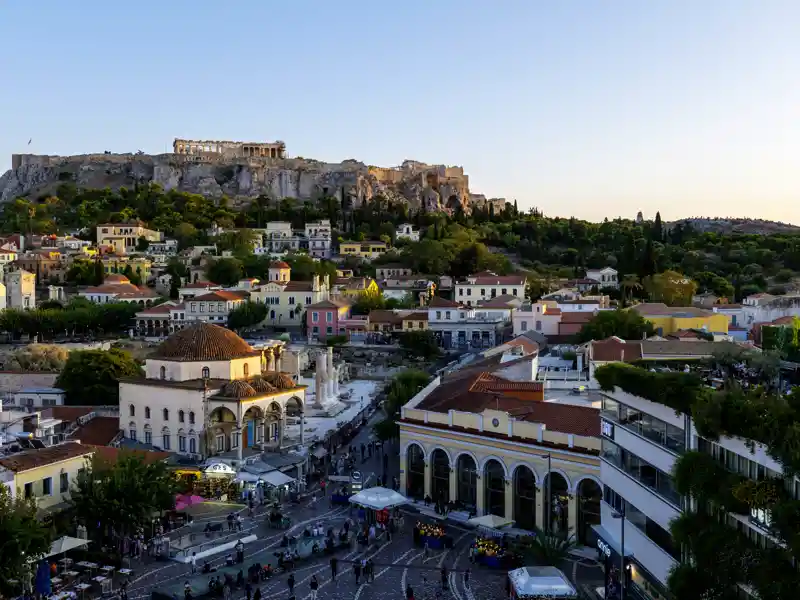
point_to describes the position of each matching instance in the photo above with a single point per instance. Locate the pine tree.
(658, 229)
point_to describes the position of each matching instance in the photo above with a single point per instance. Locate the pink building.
(326, 318)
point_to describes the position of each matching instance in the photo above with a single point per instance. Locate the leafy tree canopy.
(92, 376)
(22, 537)
(625, 324)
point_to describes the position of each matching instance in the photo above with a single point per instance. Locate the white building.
(542, 316)
(459, 326)
(213, 307)
(406, 231)
(287, 299)
(20, 289)
(765, 308)
(168, 247)
(605, 277)
(118, 288)
(198, 288)
(641, 442)
(30, 397)
(206, 392)
(315, 237)
(319, 239)
(487, 285)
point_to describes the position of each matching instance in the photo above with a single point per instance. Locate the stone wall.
(13, 381)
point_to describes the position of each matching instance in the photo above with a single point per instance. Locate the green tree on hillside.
(624, 324)
(402, 389)
(22, 537)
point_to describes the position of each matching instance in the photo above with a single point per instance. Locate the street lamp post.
(548, 495)
(623, 576)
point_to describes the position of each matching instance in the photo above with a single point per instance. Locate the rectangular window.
(291, 300)
(132, 435)
(483, 292)
(64, 483)
(447, 313)
(645, 425)
(28, 490)
(538, 325)
(329, 317)
(640, 470)
(329, 330)
(461, 291)
(47, 486)
(524, 326)
(315, 330)
(469, 291)
(438, 314)
(182, 443)
(314, 317)
(165, 442)
(148, 437)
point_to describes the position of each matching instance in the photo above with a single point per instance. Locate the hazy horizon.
(581, 109)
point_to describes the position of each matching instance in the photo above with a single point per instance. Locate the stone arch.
(222, 414)
(293, 406)
(556, 504)
(512, 471)
(580, 479)
(563, 473)
(495, 481)
(486, 459)
(443, 449)
(254, 412)
(589, 495)
(415, 471)
(404, 449)
(524, 495)
(440, 473)
(467, 477)
(469, 453)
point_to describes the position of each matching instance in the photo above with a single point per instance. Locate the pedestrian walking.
(290, 582)
(409, 592)
(257, 595)
(314, 585)
(466, 578)
(444, 579)
(194, 563)
(334, 567)
(248, 590)
(425, 550)
(357, 571)
(371, 569)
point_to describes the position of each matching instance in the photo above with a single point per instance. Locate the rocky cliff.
(436, 187)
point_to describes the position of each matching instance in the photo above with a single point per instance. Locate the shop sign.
(604, 548)
(607, 429)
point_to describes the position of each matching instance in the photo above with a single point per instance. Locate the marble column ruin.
(320, 383)
(331, 375)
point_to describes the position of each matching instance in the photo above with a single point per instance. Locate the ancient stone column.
(320, 382)
(331, 375)
(270, 360)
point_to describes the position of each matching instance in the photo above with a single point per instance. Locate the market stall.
(377, 499)
(434, 535)
(540, 583)
(491, 553)
(490, 525)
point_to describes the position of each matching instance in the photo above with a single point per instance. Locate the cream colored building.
(206, 392)
(20, 289)
(287, 300)
(483, 437)
(45, 474)
(123, 237)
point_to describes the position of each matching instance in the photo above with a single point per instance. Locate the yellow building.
(669, 319)
(415, 321)
(123, 237)
(368, 250)
(45, 474)
(485, 440)
(355, 287)
(116, 264)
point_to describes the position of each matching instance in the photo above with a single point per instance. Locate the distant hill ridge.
(735, 225)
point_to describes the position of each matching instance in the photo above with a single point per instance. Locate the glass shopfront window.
(652, 530)
(643, 424)
(640, 470)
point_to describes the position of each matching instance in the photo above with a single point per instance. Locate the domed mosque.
(206, 392)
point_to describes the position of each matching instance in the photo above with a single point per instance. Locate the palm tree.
(548, 549)
(629, 283)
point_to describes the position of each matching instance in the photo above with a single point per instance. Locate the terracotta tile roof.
(502, 301)
(279, 264)
(299, 286)
(576, 317)
(470, 392)
(221, 296)
(330, 303)
(202, 342)
(199, 285)
(416, 316)
(527, 344)
(439, 302)
(100, 431)
(119, 288)
(551, 311)
(67, 413)
(111, 455)
(614, 350)
(32, 459)
(385, 316)
(161, 309)
(685, 334)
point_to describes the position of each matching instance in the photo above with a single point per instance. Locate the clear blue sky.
(586, 108)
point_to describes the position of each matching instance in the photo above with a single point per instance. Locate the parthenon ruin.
(230, 149)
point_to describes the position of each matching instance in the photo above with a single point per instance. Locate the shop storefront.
(640, 584)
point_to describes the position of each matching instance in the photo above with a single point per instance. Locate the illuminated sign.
(604, 548)
(607, 429)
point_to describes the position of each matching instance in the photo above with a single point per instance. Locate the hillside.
(729, 226)
(432, 187)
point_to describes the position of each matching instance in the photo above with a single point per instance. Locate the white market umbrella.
(378, 498)
(490, 521)
(65, 544)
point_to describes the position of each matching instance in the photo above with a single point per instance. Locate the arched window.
(181, 441)
(132, 431)
(166, 414)
(181, 416)
(206, 373)
(146, 412)
(132, 410)
(192, 445)
(166, 439)
(148, 435)
(191, 417)
(246, 370)
(163, 372)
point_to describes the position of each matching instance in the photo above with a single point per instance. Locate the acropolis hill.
(242, 171)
